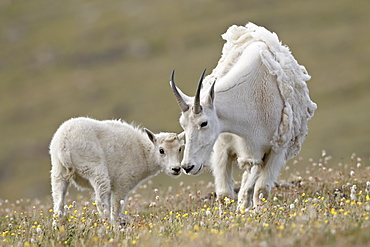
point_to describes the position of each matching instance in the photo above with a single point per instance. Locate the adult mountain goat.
(111, 157)
(257, 111)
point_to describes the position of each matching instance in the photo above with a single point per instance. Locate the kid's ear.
(151, 135)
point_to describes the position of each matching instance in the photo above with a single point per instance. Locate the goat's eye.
(161, 151)
(204, 124)
(180, 149)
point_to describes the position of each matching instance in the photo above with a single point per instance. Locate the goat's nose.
(177, 170)
(188, 168)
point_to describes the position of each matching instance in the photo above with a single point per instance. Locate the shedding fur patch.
(291, 80)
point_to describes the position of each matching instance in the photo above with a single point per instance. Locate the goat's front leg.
(222, 172)
(101, 184)
(118, 204)
(247, 187)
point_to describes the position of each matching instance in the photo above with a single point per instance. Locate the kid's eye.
(161, 151)
(204, 124)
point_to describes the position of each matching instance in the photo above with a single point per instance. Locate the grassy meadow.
(321, 207)
(113, 59)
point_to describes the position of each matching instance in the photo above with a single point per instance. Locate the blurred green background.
(112, 59)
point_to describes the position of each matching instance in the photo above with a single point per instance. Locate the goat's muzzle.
(187, 169)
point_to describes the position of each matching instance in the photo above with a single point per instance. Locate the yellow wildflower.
(333, 212)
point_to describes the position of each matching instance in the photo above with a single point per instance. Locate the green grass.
(113, 59)
(327, 205)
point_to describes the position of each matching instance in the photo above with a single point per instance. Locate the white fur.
(111, 157)
(260, 104)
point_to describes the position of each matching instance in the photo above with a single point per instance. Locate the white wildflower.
(260, 196)
(353, 193)
(227, 200)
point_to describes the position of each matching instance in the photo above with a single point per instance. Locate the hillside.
(113, 59)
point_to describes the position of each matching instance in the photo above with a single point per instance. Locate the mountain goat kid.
(111, 157)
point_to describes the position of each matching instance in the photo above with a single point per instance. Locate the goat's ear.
(151, 135)
(211, 93)
(181, 136)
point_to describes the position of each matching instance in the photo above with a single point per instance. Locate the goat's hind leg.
(59, 191)
(59, 186)
(274, 161)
